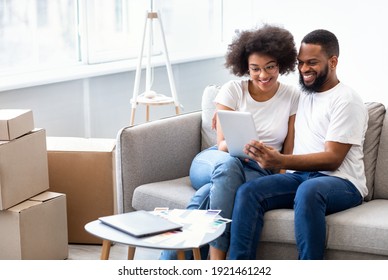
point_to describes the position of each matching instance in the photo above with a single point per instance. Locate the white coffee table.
(109, 235)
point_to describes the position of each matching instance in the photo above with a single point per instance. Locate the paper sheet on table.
(200, 218)
(197, 223)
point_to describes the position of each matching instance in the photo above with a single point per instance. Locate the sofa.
(153, 161)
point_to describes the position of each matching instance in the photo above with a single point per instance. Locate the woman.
(262, 55)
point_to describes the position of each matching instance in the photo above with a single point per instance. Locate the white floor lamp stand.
(149, 97)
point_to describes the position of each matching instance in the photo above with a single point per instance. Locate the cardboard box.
(23, 168)
(83, 169)
(35, 229)
(15, 123)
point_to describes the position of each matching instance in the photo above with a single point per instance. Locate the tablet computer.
(239, 129)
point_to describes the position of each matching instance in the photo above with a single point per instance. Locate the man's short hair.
(326, 39)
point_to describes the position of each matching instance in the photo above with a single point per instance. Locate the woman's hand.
(214, 121)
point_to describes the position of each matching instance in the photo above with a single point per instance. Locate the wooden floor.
(117, 252)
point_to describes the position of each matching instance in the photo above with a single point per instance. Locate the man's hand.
(269, 158)
(266, 156)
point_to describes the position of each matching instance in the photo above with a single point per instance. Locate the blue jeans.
(216, 176)
(313, 195)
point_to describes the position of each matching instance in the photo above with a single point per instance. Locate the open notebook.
(140, 223)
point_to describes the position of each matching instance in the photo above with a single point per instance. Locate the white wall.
(361, 28)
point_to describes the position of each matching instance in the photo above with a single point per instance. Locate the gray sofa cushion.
(381, 179)
(376, 117)
(279, 226)
(360, 229)
(172, 193)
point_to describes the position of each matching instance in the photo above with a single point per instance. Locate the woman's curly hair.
(269, 40)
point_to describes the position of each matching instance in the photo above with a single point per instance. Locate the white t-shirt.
(270, 117)
(337, 115)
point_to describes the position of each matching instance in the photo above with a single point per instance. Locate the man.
(327, 160)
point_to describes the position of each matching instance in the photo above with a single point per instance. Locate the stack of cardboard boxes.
(33, 222)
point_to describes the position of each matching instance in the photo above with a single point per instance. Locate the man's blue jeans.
(313, 195)
(216, 176)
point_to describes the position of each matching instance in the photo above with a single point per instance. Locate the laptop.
(140, 223)
(239, 129)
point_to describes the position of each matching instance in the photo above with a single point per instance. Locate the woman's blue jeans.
(216, 176)
(313, 195)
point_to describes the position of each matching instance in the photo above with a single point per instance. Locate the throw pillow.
(371, 144)
(209, 137)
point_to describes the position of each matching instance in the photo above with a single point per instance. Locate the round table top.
(191, 236)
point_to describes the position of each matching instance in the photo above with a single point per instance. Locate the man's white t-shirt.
(270, 117)
(337, 115)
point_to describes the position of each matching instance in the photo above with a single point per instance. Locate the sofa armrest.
(155, 151)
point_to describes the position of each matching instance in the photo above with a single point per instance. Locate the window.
(112, 29)
(37, 34)
(115, 28)
(46, 34)
(191, 25)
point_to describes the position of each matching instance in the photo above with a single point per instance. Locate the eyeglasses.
(269, 69)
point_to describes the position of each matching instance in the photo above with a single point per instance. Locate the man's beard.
(318, 83)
